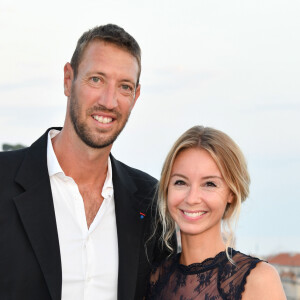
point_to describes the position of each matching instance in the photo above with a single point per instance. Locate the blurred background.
(231, 65)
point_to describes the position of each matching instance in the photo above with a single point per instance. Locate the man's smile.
(102, 119)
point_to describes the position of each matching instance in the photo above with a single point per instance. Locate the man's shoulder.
(136, 174)
(10, 162)
(17, 155)
(12, 157)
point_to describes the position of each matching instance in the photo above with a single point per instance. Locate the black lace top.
(214, 278)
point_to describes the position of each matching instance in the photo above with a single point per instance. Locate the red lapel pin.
(142, 216)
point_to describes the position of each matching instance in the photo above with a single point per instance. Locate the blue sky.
(232, 65)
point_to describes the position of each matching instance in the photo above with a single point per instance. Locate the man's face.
(103, 94)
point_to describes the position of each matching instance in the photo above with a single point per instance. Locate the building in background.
(288, 267)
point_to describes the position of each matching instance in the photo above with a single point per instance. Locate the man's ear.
(137, 94)
(68, 79)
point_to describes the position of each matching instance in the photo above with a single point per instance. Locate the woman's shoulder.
(262, 272)
(233, 273)
(250, 277)
(240, 257)
(264, 283)
(239, 265)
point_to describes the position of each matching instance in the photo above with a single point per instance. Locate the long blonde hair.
(232, 165)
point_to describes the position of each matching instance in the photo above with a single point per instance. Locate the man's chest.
(89, 254)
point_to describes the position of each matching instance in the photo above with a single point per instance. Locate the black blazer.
(30, 265)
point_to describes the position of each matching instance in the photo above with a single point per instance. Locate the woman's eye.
(210, 184)
(179, 182)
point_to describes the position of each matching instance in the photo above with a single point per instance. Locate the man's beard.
(83, 130)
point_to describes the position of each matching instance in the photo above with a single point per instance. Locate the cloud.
(230, 65)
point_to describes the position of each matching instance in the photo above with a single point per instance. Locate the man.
(73, 220)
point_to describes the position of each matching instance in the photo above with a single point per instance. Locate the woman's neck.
(197, 248)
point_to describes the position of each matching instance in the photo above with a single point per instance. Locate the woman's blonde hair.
(232, 165)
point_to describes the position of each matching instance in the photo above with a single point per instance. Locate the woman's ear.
(230, 197)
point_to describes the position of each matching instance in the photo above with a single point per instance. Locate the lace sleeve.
(154, 276)
(159, 277)
(232, 278)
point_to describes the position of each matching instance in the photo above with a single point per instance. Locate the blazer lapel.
(36, 210)
(129, 227)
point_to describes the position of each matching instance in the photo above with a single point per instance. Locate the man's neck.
(79, 161)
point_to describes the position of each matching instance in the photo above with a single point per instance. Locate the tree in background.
(8, 147)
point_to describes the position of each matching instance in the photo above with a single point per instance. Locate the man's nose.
(108, 96)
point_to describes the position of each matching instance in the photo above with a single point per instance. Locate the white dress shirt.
(89, 256)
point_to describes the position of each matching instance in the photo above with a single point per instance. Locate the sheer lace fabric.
(214, 278)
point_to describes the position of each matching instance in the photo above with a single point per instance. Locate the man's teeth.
(101, 119)
(194, 214)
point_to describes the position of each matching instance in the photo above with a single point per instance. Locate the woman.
(203, 183)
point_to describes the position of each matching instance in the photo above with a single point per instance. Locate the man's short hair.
(109, 33)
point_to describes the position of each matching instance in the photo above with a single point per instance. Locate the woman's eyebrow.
(212, 176)
(178, 175)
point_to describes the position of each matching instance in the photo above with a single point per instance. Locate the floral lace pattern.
(215, 278)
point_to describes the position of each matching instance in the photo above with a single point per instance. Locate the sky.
(231, 65)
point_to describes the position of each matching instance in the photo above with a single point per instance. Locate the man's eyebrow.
(99, 73)
(104, 75)
(94, 73)
(127, 80)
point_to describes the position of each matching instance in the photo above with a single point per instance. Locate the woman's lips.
(193, 215)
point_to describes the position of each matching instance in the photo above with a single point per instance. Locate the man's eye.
(95, 79)
(126, 87)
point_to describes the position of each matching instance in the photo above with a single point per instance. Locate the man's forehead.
(100, 43)
(100, 55)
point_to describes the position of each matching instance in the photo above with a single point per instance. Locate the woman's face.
(197, 193)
